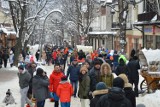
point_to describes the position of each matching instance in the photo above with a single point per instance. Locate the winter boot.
(27, 105)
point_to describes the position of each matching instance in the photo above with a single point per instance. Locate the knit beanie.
(21, 67)
(101, 86)
(39, 71)
(97, 62)
(118, 82)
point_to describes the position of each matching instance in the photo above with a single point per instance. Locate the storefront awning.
(102, 33)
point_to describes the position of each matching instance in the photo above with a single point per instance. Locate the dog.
(9, 99)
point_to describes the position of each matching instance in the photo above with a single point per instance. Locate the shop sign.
(151, 30)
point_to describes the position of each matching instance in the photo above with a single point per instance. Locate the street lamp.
(55, 12)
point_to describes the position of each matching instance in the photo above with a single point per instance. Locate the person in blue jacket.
(73, 72)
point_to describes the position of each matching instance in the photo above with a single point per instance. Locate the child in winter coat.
(9, 98)
(64, 92)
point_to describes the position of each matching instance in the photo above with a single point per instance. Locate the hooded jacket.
(115, 98)
(40, 87)
(107, 78)
(64, 91)
(97, 94)
(54, 80)
(84, 87)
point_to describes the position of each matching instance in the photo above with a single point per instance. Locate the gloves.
(51, 95)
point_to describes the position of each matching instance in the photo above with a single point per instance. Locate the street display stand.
(150, 69)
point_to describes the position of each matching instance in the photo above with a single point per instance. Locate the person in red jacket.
(54, 56)
(54, 80)
(64, 92)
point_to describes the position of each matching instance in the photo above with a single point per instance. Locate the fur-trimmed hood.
(99, 92)
(108, 68)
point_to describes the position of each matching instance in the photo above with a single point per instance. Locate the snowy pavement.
(10, 81)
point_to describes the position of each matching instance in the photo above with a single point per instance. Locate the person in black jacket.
(5, 57)
(122, 68)
(95, 76)
(115, 97)
(129, 93)
(133, 74)
(101, 89)
(37, 55)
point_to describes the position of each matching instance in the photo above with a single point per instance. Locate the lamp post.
(71, 27)
(53, 12)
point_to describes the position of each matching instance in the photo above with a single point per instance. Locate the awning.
(102, 33)
(141, 23)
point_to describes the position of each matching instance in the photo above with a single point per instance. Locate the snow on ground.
(150, 100)
(14, 86)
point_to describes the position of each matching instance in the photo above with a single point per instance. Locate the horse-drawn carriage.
(150, 69)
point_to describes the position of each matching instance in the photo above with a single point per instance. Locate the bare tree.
(81, 12)
(24, 22)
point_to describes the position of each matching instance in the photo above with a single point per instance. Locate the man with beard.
(94, 75)
(74, 71)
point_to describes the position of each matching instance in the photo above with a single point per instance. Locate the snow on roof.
(103, 33)
(4, 30)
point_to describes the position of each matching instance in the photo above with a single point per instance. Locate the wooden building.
(7, 39)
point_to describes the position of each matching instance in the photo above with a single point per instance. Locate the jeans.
(85, 102)
(24, 97)
(40, 103)
(74, 85)
(67, 104)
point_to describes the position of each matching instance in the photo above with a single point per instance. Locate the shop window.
(158, 42)
(136, 44)
(149, 41)
(103, 42)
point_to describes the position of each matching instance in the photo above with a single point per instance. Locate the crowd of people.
(99, 79)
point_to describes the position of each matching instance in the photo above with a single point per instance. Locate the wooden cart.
(151, 76)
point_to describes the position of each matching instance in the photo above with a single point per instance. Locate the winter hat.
(101, 86)
(118, 82)
(83, 68)
(39, 71)
(8, 92)
(97, 62)
(21, 67)
(125, 79)
(64, 78)
(128, 85)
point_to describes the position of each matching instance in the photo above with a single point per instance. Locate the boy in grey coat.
(24, 78)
